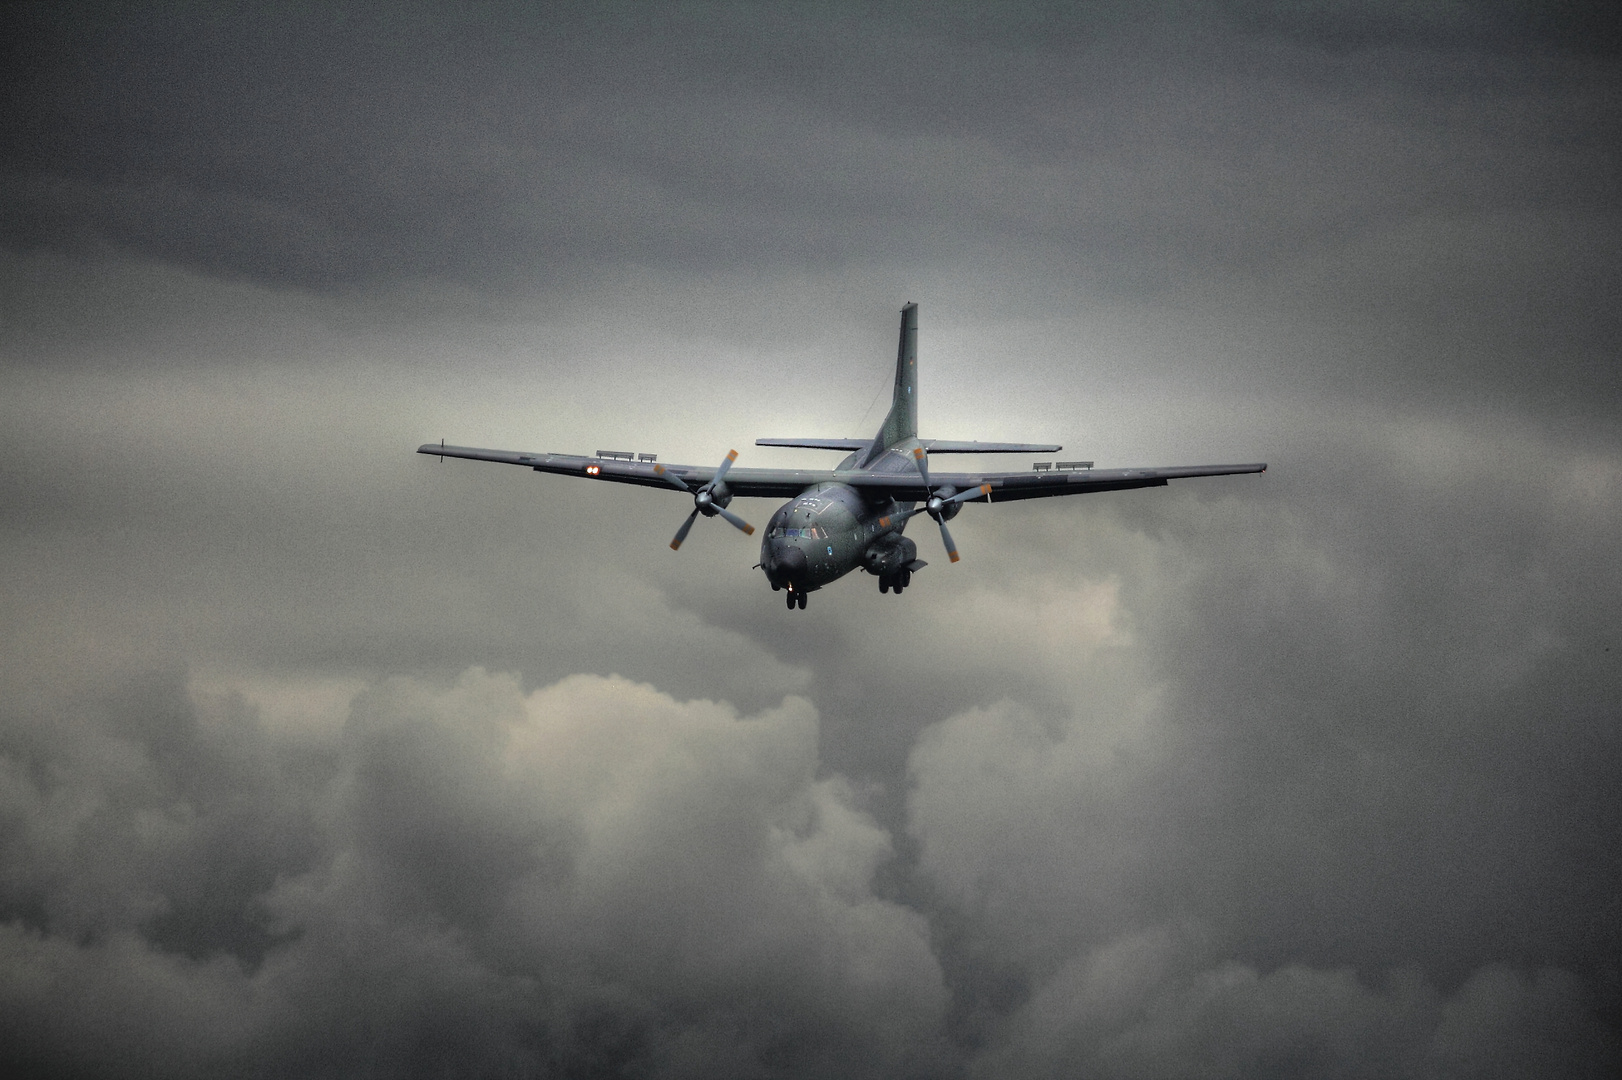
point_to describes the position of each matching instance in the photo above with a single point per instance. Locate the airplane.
(850, 517)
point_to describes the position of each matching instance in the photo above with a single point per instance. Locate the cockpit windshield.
(810, 532)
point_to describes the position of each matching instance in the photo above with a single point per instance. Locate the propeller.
(936, 505)
(709, 500)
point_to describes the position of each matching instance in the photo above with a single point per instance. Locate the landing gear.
(895, 582)
(795, 600)
(801, 597)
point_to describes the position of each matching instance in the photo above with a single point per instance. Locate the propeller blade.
(973, 493)
(704, 500)
(720, 474)
(921, 459)
(659, 471)
(738, 522)
(951, 548)
(681, 533)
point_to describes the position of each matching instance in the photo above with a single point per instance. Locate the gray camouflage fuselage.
(831, 530)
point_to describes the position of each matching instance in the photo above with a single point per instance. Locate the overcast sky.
(321, 758)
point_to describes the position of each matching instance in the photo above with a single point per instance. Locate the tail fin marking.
(902, 422)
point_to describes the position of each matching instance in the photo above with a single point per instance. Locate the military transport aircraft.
(851, 516)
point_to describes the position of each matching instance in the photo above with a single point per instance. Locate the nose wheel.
(796, 600)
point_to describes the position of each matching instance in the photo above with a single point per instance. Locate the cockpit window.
(811, 532)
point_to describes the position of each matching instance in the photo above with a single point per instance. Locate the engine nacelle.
(888, 554)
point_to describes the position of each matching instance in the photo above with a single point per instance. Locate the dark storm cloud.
(1452, 698)
(1306, 774)
(1435, 185)
(589, 880)
(1380, 748)
(316, 148)
(1361, 720)
(594, 878)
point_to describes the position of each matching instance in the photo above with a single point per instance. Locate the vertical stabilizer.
(902, 422)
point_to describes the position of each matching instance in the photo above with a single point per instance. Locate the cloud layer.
(588, 878)
(593, 878)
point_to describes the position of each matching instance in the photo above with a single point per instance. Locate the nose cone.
(788, 563)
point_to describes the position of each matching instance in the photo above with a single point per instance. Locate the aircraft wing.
(1011, 486)
(787, 483)
(743, 482)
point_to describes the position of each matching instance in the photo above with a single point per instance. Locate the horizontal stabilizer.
(818, 444)
(949, 446)
(934, 446)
